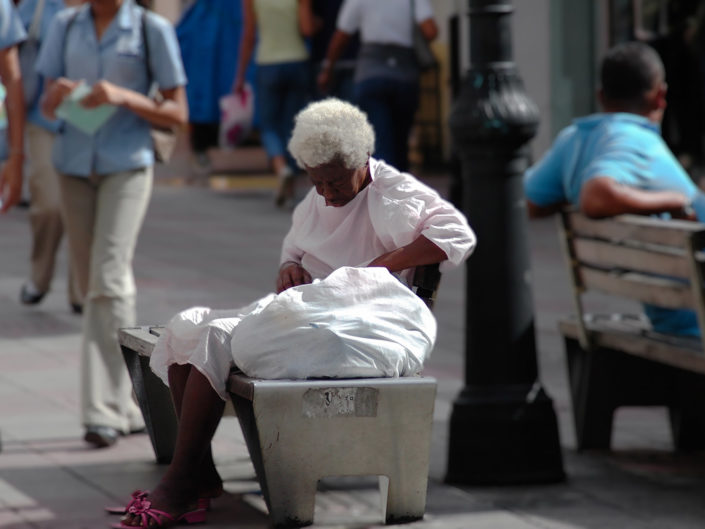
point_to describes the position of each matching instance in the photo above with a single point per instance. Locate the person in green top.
(283, 78)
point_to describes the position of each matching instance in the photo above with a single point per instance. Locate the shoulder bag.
(28, 53)
(422, 49)
(163, 138)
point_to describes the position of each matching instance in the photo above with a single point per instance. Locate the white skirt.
(358, 322)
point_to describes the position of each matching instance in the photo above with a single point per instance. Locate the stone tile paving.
(220, 249)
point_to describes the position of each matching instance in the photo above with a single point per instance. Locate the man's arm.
(603, 196)
(11, 175)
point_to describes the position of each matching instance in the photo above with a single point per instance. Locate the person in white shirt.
(387, 73)
(360, 213)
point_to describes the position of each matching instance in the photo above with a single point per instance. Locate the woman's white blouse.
(392, 211)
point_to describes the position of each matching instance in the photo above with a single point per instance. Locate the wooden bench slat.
(636, 228)
(683, 355)
(641, 259)
(658, 291)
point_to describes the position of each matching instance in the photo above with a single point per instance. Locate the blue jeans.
(390, 105)
(282, 90)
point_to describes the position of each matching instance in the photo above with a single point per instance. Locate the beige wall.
(531, 39)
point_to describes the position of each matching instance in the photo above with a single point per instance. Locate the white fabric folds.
(357, 322)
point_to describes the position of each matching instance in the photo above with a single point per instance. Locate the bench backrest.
(646, 259)
(425, 283)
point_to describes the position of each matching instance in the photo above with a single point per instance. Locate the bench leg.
(593, 409)
(154, 399)
(406, 496)
(687, 415)
(291, 504)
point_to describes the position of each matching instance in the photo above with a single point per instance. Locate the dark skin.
(338, 186)
(11, 172)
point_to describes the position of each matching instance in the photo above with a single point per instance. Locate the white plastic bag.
(357, 322)
(236, 114)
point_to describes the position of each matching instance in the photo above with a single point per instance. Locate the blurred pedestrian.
(282, 78)
(342, 84)
(106, 176)
(210, 35)
(387, 74)
(11, 34)
(45, 215)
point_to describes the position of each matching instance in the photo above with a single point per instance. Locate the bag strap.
(69, 24)
(33, 31)
(145, 42)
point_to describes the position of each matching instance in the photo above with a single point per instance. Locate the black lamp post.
(503, 427)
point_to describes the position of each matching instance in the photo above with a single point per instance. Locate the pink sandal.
(203, 503)
(142, 508)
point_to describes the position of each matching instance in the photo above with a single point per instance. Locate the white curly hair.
(331, 130)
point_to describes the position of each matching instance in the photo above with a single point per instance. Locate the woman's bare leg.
(200, 411)
(210, 483)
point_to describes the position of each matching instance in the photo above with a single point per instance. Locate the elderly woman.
(361, 213)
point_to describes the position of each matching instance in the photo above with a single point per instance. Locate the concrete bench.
(298, 431)
(617, 359)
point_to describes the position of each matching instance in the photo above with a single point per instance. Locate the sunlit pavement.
(215, 241)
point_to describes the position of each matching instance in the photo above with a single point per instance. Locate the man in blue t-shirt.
(616, 162)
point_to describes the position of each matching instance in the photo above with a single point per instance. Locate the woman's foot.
(210, 483)
(178, 499)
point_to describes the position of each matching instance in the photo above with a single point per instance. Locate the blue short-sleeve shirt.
(11, 30)
(622, 146)
(123, 142)
(26, 9)
(629, 149)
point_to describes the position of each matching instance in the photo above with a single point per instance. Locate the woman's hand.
(11, 182)
(55, 93)
(324, 79)
(238, 85)
(104, 93)
(292, 274)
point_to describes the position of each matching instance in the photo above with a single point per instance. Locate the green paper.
(87, 120)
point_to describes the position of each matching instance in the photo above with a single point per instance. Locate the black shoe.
(101, 436)
(76, 308)
(28, 298)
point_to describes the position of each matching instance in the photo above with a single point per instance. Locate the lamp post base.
(504, 435)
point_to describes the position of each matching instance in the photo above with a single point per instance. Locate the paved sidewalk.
(220, 248)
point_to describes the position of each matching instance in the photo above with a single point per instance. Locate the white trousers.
(104, 214)
(45, 215)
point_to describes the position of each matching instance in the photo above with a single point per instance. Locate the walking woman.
(106, 176)
(283, 79)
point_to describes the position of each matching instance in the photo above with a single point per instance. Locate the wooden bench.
(299, 431)
(617, 359)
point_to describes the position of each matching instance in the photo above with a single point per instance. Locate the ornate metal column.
(503, 427)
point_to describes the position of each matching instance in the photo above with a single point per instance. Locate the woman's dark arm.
(417, 253)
